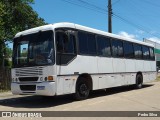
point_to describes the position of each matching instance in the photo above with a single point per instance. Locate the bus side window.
(137, 51)
(104, 48)
(146, 55)
(151, 50)
(60, 37)
(69, 45)
(83, 44)
(128, 49)
(87, 43)
(91, 44)
(65, 43)
(117, 48)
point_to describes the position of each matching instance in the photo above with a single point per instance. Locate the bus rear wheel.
(139, 81)
(82, 89)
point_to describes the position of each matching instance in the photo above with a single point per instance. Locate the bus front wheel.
(82, 89)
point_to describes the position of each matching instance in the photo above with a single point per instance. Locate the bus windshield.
(34, 49)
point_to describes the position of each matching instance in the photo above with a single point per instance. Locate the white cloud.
(154, 39)
(125, 34)
(143, 32)
(140, 32)
(153, 32)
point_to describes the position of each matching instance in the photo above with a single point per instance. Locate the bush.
(7, 63)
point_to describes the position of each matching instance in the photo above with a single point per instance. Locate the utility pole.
(109, 16)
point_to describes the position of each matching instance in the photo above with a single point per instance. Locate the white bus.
(66, 58)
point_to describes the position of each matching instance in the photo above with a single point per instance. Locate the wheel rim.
(83, 90)
(139, 81)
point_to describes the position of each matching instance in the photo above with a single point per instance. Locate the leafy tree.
(15, 16)
(8, 52)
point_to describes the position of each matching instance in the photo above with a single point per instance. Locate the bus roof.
(79, 27)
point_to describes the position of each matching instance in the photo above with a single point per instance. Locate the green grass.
(158, 78)
(4, 91)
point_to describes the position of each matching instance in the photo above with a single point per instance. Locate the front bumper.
(42, 88)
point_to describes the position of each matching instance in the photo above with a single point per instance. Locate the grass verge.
(158, 78)
(1, 91)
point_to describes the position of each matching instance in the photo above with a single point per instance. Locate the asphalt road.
(113, 99)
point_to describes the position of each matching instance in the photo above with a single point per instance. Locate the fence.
(5, 79)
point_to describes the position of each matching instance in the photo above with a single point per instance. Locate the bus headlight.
(16, 80)
(41, 78)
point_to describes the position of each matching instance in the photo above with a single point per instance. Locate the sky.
(136, 19)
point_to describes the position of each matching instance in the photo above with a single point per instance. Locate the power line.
(116, 2)
(140, 13)
(80, 5)
(137, 13)
(101, 9)
(104, 11)
(133, 24)
(92, 5)
(151, 3)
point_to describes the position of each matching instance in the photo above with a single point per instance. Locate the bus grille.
(29, 71)
(24, 79)
(28, 87)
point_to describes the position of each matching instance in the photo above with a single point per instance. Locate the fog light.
(50, 78)
(41, 78)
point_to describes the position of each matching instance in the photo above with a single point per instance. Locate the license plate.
(40, 87)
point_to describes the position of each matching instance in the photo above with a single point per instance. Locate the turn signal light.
(50, 78)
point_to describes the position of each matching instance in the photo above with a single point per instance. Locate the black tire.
(82, 89)
(139, 81)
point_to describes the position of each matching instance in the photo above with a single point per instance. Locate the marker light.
(45, 78)
(50, 78)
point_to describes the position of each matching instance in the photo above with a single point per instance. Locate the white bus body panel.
(81, 64)
(50, 89)
(66, 73)
(130, 65)
(118, 65)
(139, 65)
(153, 65)
(105, 65)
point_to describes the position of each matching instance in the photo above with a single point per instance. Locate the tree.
(15, 16)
